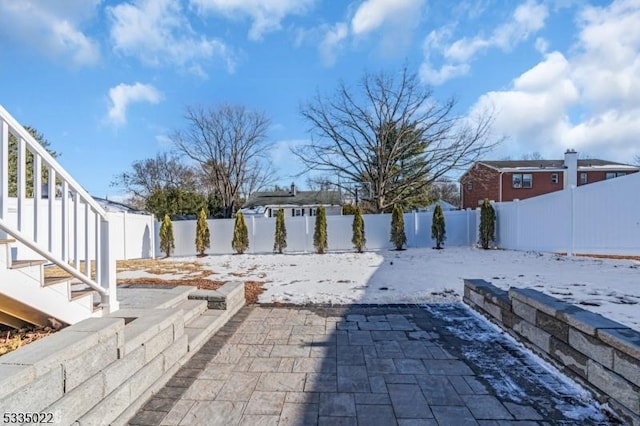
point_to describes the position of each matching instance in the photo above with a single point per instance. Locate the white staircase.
(48, 224)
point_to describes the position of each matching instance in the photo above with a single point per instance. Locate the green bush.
(398, 237)
(438, 232)
(240, 242)
(280, 240)
(203, 237)
(487, 224)
(320, 232)
(166, 236)
(359, 240)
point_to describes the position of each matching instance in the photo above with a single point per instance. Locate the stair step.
(7, 241)
(77, 294)
(203, 327)
(54, 280)
(192, 309)
(15, 264)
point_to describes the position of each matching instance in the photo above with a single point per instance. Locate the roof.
(554, 164)
(114, 206)
(301, 198)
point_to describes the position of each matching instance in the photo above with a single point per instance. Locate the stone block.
(624, 339)
(69, 343)
(509, 319)
(493, 310)
(76, 403)
(13, 376)
(175, 352)
(146, 377)
(591, 347)
(614, 386)
(214, 299)
(476, 299)
(79, 369)
(586, 321)
(542, 302)
(569, 357)
(37, 395)
(158, 343)
(627, 367)
(524, 311)
(120, 371)
(553, 326)
(148, 323)
(627, 417)
(109, 408)
(538, 337)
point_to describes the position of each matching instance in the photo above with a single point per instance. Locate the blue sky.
(108, 81)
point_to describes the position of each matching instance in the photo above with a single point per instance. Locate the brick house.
(509, 180)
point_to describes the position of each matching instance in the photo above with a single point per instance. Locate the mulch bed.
(252, 289)
(12, 339)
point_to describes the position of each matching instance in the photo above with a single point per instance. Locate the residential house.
(294, 202)
(509, 180)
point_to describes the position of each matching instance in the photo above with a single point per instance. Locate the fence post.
(517, 220)
(571, 248)
(4, 173)
(253, 234)
(415, 229)
(306, 233)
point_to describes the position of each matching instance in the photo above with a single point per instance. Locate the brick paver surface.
(365, 365)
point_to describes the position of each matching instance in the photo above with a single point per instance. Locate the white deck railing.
(78, 210)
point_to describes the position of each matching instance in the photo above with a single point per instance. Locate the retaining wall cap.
(476, 284)
(625, 340)
(208, 295)
(586, 321)
(543, 302)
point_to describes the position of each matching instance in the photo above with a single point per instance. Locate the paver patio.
(364, 365)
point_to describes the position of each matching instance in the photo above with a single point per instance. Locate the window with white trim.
(554, 178)
(583, 178)
(611, 175)
(522, 180)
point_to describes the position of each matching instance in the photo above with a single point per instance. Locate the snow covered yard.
(416, 275)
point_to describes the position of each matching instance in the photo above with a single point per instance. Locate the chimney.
(293, 189)
(571, 166)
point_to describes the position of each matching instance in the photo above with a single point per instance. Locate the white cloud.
(51, 28)
(158, 33)
(589, 101)
(528, 18)
(123, 95)
(266, 15)
(373, 14)
(332, 42)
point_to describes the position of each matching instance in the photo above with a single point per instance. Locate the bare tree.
(147, 176)
(229, 144)
(636, 160)
(390, 137)
(445, 190)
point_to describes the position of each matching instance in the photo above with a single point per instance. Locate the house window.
(554, 178)
(611, 175)
(522, 180)
(312, 211)
(469, 186)
(583, 178)
(298, 212)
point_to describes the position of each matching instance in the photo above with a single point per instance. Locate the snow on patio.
(419, 275)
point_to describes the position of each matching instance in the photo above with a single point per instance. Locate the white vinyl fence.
(599, 218)
(131, 235)
(461, 230)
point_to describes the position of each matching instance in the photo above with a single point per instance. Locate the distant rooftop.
(554, 164)
(295, 198)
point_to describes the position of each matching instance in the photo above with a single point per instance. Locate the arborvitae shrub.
(487, 224)
(359, 240)
(240, 241)
(320, 232)
(398, 237)
(438, 232)
(280, 240)
(166, 236)
(203, 236)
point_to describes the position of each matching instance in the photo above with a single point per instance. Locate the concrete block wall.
(601, 354)
(101, 370)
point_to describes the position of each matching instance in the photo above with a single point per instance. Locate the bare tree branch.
(229, 144)
(390, 136)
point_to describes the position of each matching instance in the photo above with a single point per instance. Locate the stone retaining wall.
(101, 370)
(601, 354)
